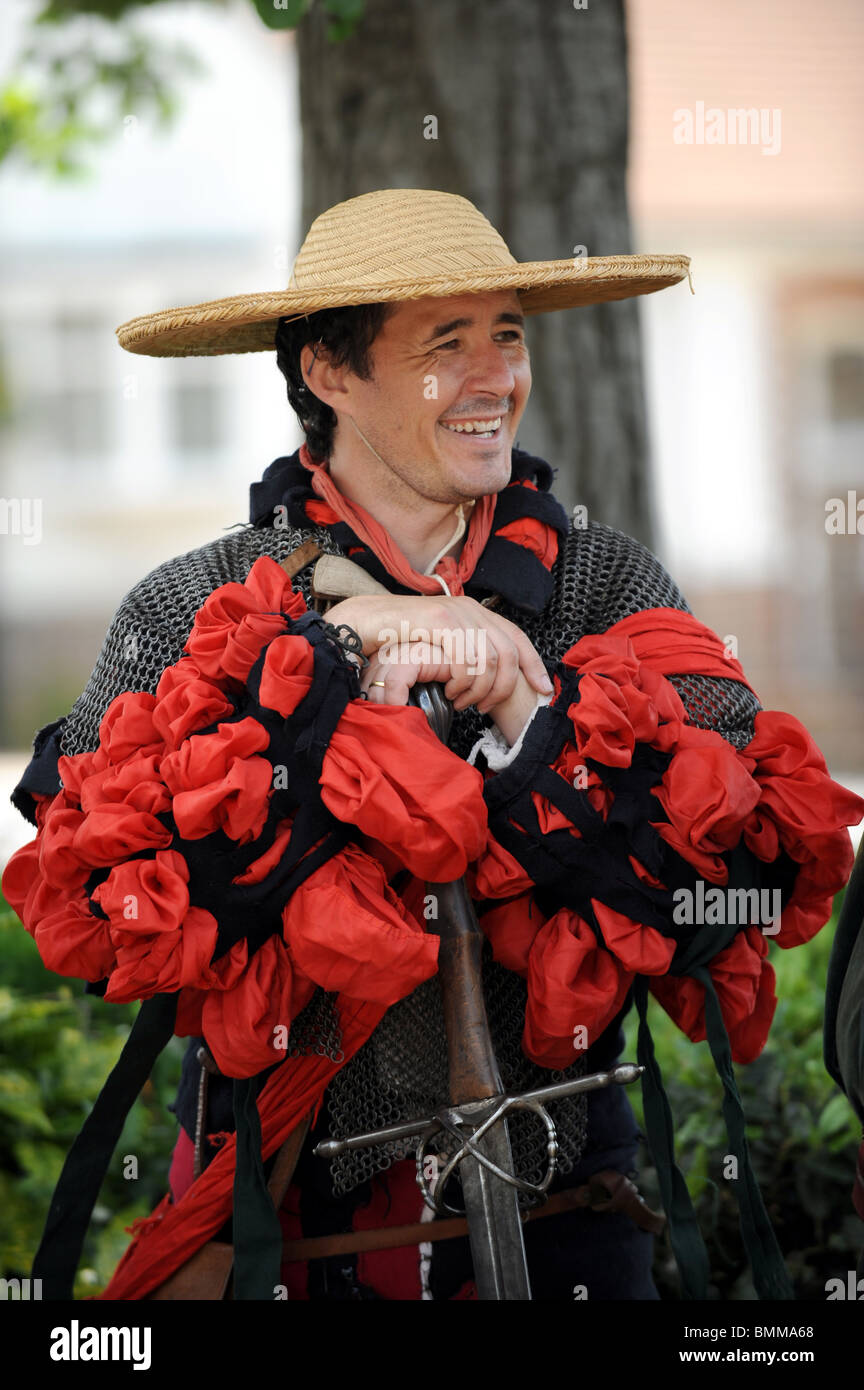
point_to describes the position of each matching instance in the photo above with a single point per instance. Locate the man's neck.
(419, 525)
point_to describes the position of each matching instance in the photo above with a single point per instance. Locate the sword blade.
(491, 1206)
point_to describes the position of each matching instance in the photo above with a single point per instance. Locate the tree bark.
(532, 111)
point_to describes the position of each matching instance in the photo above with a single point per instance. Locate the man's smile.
(482, 429)
(483, 423)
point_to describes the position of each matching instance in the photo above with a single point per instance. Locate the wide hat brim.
(395, 244)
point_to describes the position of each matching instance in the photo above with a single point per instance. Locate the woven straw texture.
(398, 243)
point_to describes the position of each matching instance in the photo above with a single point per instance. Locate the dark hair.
(346, 335)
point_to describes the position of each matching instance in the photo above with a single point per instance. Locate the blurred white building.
(756, 382)
(136, 459)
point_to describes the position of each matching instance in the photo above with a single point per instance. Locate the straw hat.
(398, 243)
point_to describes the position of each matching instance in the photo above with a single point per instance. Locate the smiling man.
(618, 754)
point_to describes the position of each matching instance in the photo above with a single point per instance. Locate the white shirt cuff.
(494, 747)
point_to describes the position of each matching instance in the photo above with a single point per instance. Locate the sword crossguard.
(453, 1120)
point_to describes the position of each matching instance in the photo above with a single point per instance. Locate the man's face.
(451, 378)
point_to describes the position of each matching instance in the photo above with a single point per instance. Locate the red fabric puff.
(744, 980)
(672, 642)
(641, 949)
(135, 783)
(111, 833)
(72, 941)
(21, 876)
(244, 1026)
(73, 772)
(222, 974)
(59, 861)
(218, 784)
(145, 896)
(287, 674)
(533, 535)
(496, 874)
(349, 932)
(803, 811)
(162, 962)
(128, 727)
(161, 943)
(708, 793)
(795, 788)
(236, 621)
(816, 883)
(387, 773)
(511, 929)
(572, 983)
(185, 703)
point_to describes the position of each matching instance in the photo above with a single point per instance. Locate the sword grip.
(473, 1070)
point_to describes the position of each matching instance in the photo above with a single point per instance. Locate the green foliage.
(88, 72)
(287, 14)
(802, 1133)
(346, 15)
(57, 1046)
(86, 77)
(281, 14)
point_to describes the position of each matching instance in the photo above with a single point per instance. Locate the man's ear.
(324, 380)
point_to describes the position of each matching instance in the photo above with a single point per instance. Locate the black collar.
(506, 567)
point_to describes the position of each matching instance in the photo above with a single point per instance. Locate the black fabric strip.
(770, 1276)
(87, 1161)
(257, 1232)
(684, 1234)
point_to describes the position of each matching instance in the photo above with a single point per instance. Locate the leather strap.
(606, 1191)
(286, 1161)
(299, 558)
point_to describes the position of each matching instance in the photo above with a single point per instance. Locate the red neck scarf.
(454, 571)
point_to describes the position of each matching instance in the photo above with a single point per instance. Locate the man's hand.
(480, 657)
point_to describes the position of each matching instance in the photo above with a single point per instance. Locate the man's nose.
(490, 372)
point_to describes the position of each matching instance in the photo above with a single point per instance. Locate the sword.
(491, 1201)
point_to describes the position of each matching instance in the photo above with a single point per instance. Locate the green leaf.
(281, 14)
(835, 1117)
(346, 16)
(20, 1102)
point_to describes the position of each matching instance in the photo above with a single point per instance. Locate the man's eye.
(451, 342)
(512, 333)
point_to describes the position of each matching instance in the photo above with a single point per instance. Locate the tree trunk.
(531, 105)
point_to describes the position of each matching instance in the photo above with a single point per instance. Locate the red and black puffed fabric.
(234, 842)
(208, 859)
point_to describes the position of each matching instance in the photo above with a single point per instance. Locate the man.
(402, 341)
